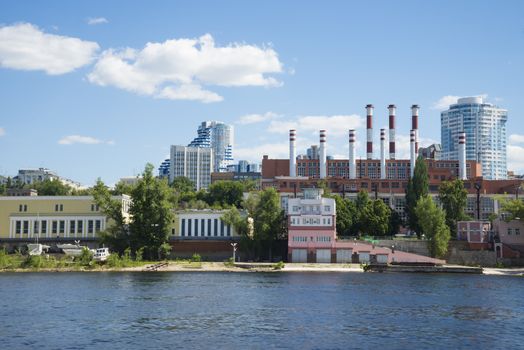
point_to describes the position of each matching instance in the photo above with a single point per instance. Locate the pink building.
(509, 237)
(312, 236)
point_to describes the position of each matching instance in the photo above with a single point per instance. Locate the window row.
(204, 227)
(54, 227)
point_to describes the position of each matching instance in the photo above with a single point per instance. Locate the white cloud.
(337, 125)
(516, 158)
(255, 154)
(445, 101)
(256, 118)
(96, 20)
(87, 140)
(24, 46)
(179, 68)
(2, 131)
(515, 138)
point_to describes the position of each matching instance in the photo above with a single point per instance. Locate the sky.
(97, 89)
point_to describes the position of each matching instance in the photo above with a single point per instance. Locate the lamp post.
(234, 245)
(478, 187)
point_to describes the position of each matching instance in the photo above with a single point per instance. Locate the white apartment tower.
(484, 126)
(195, 163)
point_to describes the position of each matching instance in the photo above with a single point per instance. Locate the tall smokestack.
(382, 153)
(462, 156)
(412, 152)
(392, 112)
(292, 153)
(369, 126)
(352, 155)
(322, 160)
(414, 124)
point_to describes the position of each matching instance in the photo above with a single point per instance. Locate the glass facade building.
(485, 128)
(219, 137)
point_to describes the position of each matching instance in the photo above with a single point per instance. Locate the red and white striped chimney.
(369, 127)
(392, 112)
(292, 153)
(412, 152)
(352, 155)
(414, 124)
(462, 156)
(382, 153)
(322, 155)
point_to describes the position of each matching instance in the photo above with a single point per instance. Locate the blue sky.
(98, 89)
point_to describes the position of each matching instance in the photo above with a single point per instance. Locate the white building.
(194, 224)
(29, 176)
(195, 163)
(218, 136)
(485, 128)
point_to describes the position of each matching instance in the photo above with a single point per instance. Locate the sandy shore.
(504, 272)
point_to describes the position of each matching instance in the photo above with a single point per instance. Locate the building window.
(90, 226)
(54, 227)
(209, 227)
(517, 231)
(26, 227)
(22, 207)
(327, 207)
(216, 227)
(72, 226)
(44, 227)
(203, 226)
(183, 230)
(189, 227)
(18, 227)
(196, 227)
(98, 225)
(35, 227)
(59, 207)
(80, 226)
(229, 230)
(509, 231)
(95, 207)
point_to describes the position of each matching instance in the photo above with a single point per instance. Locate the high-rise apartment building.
(195, 163)
(485, 128)
(219, 137)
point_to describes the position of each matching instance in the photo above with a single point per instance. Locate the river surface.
(260, 311)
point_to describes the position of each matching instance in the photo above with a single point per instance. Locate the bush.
(85, 258)
(33, 261)
(279, 265)
(164, 251)
(196, 258)
(229, 262)
(5, 259)
(139, 254)
(114, 260)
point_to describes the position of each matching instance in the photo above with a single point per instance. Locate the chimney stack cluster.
(414, 145)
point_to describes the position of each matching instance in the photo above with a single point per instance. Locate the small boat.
(72, 249)
(100, 254)
(36, 248)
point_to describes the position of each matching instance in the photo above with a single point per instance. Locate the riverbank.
(190, 266)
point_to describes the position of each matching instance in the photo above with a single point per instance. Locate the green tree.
(360, 204)
(345, 215)
(183, 184)
(432, 221)
(238, 221)
(418, 187)
(116, 235)
(513, 207)
(375, 218)
(122, 188)
(225, 193)
(395, 222)
(453, 197)
(151, 213)
(269, 219)
(50, 187)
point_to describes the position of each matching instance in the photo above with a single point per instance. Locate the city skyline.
(125, 85)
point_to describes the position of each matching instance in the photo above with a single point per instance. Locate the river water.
(260, 311)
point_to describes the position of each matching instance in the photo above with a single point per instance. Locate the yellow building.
(53, 217)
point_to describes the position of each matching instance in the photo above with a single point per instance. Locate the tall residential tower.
(485, 127)
(219, 137)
